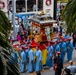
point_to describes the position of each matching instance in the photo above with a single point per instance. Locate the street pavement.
(48, 72)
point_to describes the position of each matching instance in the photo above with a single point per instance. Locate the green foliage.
(69, 15)
(6, 66)
(5, 28)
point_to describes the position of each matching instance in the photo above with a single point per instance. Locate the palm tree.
(69, 15)
(6, 66)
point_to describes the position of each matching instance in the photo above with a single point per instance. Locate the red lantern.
(48, 2)
(2, 4)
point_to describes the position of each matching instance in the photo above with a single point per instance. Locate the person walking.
(38, 64)
(56, 48)
(31, 60)
(58, 64)
(23, 61)
(69, 49)
(63, 48)
(49, 61)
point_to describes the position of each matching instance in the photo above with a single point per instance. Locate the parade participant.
(63, 48)
(49, 61)
(58, 64)
(44, 38)
(72, 67)
(14, 56)
(28, 41)
(66, 36)
(56, 48)
(69, 49)
(18, 36)
(31, 60)
(23, 60)
(38, 64)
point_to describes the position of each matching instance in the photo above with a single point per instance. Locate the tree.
(6, 66)
(69, 15)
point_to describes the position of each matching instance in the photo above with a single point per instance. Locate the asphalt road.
(48, 72)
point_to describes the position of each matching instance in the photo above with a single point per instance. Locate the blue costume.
(66, 36)
(63, 50)
(49, 61)
(23, 61)
(56, 49)
(69, 50)
(31, 61)
(27, 51)
(14, 56)
(38, 65)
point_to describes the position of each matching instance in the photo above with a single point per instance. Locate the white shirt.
(72, 69)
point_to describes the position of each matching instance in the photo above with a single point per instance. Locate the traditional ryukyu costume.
(49, 61)
(31, 60)
(38, 64)
(56, 48)
(14, 56)
(63, 49)
(69, 49)
(23, 61)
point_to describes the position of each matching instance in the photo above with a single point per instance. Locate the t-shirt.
(72, 69)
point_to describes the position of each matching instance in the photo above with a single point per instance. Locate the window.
(40, 5)
(29, 5)
(20, 6)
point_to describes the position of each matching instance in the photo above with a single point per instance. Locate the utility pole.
(13, 14)
(55, 7)
(26, 5)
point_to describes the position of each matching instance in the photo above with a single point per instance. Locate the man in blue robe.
(63, 49)
(38, 64)
(69, 49)
(23, 61)
(56, 48)
(49, 61)
(14, 57)
(31, 60)
(66, 36)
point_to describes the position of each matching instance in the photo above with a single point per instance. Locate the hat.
(57, 41)
(52, 43)
(58, 53)
(24, 48)
(28, 42)
(69, 39)
(64, 40)
(33, 46)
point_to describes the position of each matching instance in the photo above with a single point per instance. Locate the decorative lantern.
(48, 2)
(2, 4)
